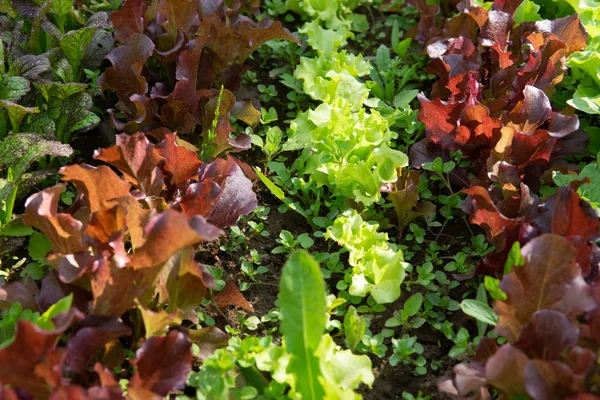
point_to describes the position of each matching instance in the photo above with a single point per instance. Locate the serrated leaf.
(12, 88)
(17, 112)
(30, 66)
(19, 150)
(101, 44)
(302, 302)
(74, 45)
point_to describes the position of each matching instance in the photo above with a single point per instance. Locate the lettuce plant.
(44, 100)
(177, 65)
(345, 147)
(549, 318)
(308, 363)
(126, 246)
(585, 64)
(378, 267)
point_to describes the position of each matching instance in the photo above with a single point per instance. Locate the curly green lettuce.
(378, 267)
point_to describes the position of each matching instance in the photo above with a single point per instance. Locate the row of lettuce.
(499, 68)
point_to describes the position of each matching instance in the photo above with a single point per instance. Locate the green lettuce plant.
(585, 65)
(345, 147)
(307, 365)
(378, 267)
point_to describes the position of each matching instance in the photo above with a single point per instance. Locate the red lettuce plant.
(524, 217)
(491, 99)
(125, 249)
(491, 103)
(550, 321)
(172, 58)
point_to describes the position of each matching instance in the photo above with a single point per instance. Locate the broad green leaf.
(12, 88)
(480, 311)
(74, 45)
(21, 149)
(30, 66)
(61, 306)
(59, 90)
(39, 246)
(42, 124)
(61, 7)
(413, 304)
(481, 297)
(15, 227)
(404, 98)
(16, 113)
(354, 327)
(73, 114)
(589, 191)
(101, 45)
(527, 12)
(63, 71)
(303, 311)
(514, 258)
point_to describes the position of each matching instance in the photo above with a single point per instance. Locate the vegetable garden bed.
(304, 199)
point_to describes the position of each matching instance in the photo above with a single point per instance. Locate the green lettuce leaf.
(378, 268)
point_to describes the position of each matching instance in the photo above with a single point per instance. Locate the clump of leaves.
(126, 246)
(172, 58)
(491, 104)
(307, 363)
(520, 219)
(549, 317)
(378, 267)
(44, 99)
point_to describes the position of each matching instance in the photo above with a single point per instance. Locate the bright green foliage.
(588, 191)
(346, 148)
(334, 14)
(302, 296)
(527, 12)
(585, 65)
(9, 320)
(17, 152)
(378, 267)
(354, 327)
(317, 368)
(324, 40)
(479, 310)
(341, 371)
(308, 362)
(346, 151)
(330, 77)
